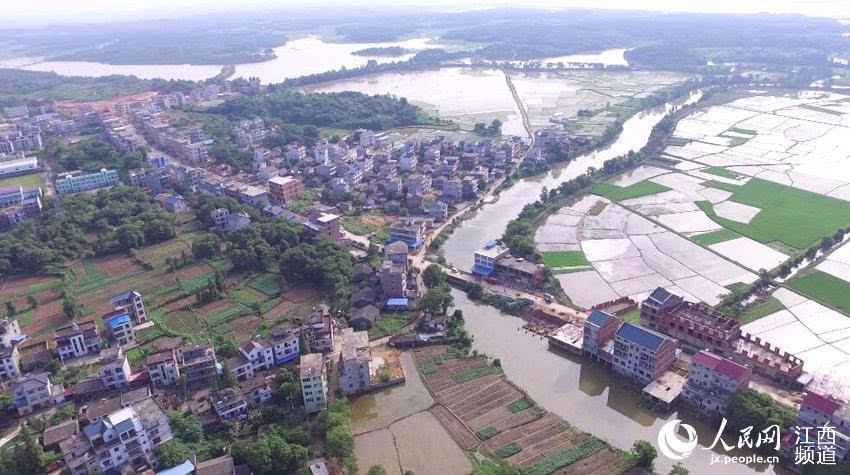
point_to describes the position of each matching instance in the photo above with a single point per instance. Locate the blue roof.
(119, 320)
(641, 336)
(485, 271)
(660, 294)
(19, 337)
(397, 302)
(184, 468)
(598, 317)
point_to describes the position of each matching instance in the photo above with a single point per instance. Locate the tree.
(10, 308)
(475, 291)
(186, 427)
(678, 469)
(645, 453)
(376, 470)
(32, 301)
(206, 246)
(172, 453)
(436, 300)
(339, 441)
(30, 457)
(433, 276)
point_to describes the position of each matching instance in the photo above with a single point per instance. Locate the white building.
(314, 382)
(229, 404)
(354, 373)
(162, 368)
(131, 301)
(114, 369)
(34, 392)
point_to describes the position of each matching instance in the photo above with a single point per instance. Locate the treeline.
(347, 110)
(429, 58)
(91, 156)
(381, 51)
(18, 86)
(122, 218)
(274, 243)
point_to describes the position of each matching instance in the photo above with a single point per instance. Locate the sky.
(39, 12)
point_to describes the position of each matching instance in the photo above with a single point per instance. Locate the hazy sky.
(59, 11)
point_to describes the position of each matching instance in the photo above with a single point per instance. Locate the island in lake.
(381, 51)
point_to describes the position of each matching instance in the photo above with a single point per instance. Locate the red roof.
(721, 365)
(822, 404)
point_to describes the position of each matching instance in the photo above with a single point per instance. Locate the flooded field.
(559, 96)
(381, 408)
(465, 95)
(585, 394)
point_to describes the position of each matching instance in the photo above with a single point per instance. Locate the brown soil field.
(12, 287)
(245, 327)
(377, 220)
(194, 270)
(465, 439)
(106, 103)
(602, 462)
(116, 265)
(303, 294)
(184, 302)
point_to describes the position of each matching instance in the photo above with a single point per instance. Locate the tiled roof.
(641, 336)
(822, 404)
(598, 317)
(722, 365)
(660, 295)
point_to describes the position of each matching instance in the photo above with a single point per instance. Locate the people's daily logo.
(673, 446)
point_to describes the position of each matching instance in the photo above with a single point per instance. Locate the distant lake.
(299, 57)
(296, 58)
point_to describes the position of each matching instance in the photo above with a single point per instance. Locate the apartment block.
(76, 181)
(132, 302)
(642, 354)
(712, 382)
(163, 368)
(114, 368)
(354, 360)
(198, 363)
(284, 189)
(314, 382)
(77, 339)
(600, 328)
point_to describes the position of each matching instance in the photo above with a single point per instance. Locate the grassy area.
(555, 259)
(487, 432)
(618, 193)
(824, 288)
(476, 373)
(355, 225)
(743, 131)
(762, 309)
(266, 283)
(597, 208)
(27, 181)
(519, 405)
(506, 451)
(389, 324)
(715, 237)
(794, 217)
(300, 204)
(720, 171)
(632, 316)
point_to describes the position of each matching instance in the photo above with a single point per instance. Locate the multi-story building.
(77, 339)
(255, 391)
(599, 331)
(321, 333)
(393, 280)
(519, 270)
(354, 374)
(409, 231)
(229, 404)
(284, 189)
(712, 382)
(163, 368)
(817, 411)
(694, 324)
(34, 392)
(131, 301)
(10, 333)
(76, 181)
(10, 363)
(239, 366)
(122, 442)
(260, 353)
(314, 382)
(198, 363)
(114, 368)
(486, 257)
(119, 327)
(642, 354)
(285, 342)
(396, 253)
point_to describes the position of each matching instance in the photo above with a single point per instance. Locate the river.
(584, 393)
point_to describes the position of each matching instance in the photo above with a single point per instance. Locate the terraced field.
(488, 408)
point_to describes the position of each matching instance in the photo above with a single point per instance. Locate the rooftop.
(312, 365)
(599, 317)
(60, 432)
(642, 336)
(666, 388)
(722, 365)
(822, 404)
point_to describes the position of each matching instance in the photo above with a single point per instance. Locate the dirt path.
(525, 122)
